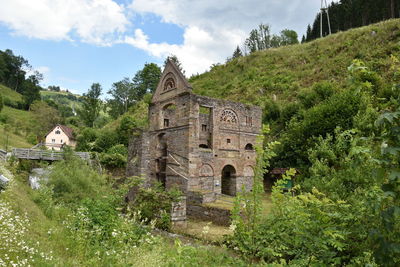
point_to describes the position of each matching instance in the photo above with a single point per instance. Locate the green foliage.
(115, 157)
(347, 14)
(387, 236)
(73, 180)
(153, 204)
(91, 105)
(105, 140)
(1, 103)
(246, 214)
(327, 218)
(261, 38)
(86, 139)
(45, 118)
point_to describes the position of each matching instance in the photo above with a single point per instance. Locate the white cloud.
(213, 29)
(93, 21)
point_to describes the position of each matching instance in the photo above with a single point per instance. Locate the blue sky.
(77, 42)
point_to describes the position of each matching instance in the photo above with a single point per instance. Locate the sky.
(75, 43)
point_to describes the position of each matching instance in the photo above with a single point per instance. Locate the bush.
(330, 218)
(115, 157)
(86, 139)
(105, 140)
(153, 204)
(73, 180)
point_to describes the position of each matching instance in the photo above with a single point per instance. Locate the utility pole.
(324, 8)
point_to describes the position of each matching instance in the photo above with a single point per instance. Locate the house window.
(58, 132)
(61, 141)
(204, 127)
(53, 140)
(166, 122)
(228, 141)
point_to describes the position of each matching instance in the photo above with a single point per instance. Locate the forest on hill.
(348, 14)
(330, 115)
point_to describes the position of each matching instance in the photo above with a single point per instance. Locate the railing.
(24, 153)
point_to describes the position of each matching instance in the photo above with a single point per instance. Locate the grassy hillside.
(62, 98)
(284, 71)
(11, 97)
(14, 123)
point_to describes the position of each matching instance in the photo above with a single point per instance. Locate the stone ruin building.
(205, 146)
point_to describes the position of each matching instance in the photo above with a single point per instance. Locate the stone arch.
(228, 180)
(206, 170)
(248, 171)
(249, 147)
(169, 82)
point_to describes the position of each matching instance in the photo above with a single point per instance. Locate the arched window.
(58, 132)
(228, 116)
(249, 147)
(169, 82)
(206, 171)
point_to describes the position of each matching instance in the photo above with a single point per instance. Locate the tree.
(123, 93)
(32, 88)
(45, 118)
(146, 80)
(54, 88)
(237, 53)
(289, 37)
(175, 59)
(91, 105)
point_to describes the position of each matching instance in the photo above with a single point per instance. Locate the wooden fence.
(25, 153)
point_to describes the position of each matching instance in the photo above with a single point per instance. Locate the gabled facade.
(204, 146)
(60, 136)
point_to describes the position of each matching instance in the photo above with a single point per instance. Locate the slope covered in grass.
(284, 71)
(10, 97)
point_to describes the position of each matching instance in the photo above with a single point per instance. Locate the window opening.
(204, 127)
(249, 147)
(249, 121)
(166, 122)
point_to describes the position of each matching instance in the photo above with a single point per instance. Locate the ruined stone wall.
(226, 128)
(138, 154)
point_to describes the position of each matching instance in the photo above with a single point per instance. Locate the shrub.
(86, 139)
(73, 180)
(115, 157)
(153, 204)
(105, 140)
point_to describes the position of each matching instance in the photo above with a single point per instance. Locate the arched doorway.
(228, 180)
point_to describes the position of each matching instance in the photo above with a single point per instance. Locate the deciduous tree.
(91, 105)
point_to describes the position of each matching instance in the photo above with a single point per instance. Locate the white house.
(60, 136)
